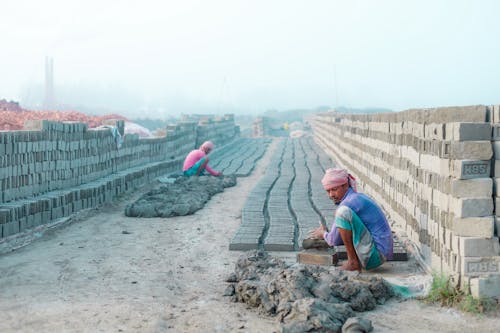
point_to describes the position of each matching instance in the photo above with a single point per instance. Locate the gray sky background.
(159, 58)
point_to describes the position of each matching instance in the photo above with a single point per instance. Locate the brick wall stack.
(430, 169)
(181, 139)
(219, 130)
(52, 169)
(262, 127)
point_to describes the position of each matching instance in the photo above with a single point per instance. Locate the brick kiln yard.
(105, 272)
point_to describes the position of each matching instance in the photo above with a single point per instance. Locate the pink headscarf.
(335, 177)
(207, 146)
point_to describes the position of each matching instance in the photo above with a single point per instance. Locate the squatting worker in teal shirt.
(359, 224)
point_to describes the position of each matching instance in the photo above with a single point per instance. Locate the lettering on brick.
(482, 267)
(473, 169)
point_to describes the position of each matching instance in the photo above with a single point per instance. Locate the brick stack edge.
(433, 171)
(51, 169)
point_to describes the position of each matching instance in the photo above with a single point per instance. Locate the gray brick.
(485, 286)
(480, 266)
(474, 226)
(468, 131)
(479, 247)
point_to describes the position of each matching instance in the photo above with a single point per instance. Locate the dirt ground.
(104, 272)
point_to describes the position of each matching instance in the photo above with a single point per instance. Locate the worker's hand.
(318, 232)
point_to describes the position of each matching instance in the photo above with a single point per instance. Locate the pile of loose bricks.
(431, 170)
(53, 169)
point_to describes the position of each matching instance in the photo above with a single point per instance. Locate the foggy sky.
(158, 58)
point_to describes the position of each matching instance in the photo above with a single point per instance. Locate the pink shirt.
(193, 157)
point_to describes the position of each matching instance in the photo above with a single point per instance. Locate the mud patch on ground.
(184, 196)
(305, 298)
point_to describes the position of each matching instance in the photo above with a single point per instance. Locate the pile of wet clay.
(306, 298)
(184, 196)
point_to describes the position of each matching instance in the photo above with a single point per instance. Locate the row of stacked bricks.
(309, 202)
(288, 202)
(27, 214)
(430, 170)
(53, 156)
(53, 169)
(281, 231)
(219, 130)
(254, 216)
(239, 157)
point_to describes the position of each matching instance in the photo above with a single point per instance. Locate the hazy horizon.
(164, 58)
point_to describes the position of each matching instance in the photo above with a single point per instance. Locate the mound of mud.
(184, 196)
(305, 298)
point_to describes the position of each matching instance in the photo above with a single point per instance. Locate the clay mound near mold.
(304, 298)
(184, 196)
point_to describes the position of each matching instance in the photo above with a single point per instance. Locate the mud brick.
(30, 222)
(10, 228)
(37, 219)
(277, 244)
(241, 246)
(472, 207)
(57, 212)
(5, 216)
(495, 113)
(479, 187)
(477, 150)
(341, 252)
(496, 149)
(480, 266)
(317, 257)
(495, 133)
(479, 247)
(399, 253)
(468, 131)
(474, 226)
(468, 169)
(46, 217)
(485, 286)
(314, 243)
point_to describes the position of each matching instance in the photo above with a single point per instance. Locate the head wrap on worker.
(336, 177)
(207, 146)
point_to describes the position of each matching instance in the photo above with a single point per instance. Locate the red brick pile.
(9, 106)
(12, 116)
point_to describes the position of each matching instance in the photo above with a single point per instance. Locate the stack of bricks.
(219, 130)
(51, 169)
(259, 126)
(430, 170)
(181, 139)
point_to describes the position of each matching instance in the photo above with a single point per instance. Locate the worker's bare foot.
(350, 266)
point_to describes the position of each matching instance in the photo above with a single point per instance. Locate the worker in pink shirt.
(197, 161)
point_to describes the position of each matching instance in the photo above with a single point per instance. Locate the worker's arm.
(212, 171)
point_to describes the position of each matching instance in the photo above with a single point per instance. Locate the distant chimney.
(49, 102)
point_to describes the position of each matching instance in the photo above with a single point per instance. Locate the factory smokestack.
(49, 102)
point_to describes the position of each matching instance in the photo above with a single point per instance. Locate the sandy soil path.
(105, 272)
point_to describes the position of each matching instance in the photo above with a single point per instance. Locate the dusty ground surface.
(105, 272)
